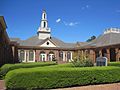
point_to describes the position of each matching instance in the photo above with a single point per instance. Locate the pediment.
(48, 43)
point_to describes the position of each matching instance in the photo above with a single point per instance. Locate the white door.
(51, 56)
(42, 57)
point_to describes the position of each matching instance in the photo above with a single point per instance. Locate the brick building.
(44, 47)
(6, 55)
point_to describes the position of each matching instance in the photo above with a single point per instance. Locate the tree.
(91, 38)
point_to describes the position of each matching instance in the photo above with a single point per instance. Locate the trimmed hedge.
(114, 64)
(8, 67)
(53, 77)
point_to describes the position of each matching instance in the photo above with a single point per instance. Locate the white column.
(63, 56)
(34, 57)
(71, 55)
(25, 56)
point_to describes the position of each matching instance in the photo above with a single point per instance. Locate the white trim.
(50, 57)
(63, 56)
(25, 56)
(42, 56)
(51, 44)
(33, 56)
(19, 55)
(71, 56)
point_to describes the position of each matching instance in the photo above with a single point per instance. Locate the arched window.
(31, 55)
(44, 24)
(22, 56)
(44, 15)
(42, 56)
(51, 56)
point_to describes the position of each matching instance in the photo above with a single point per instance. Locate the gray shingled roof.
(34, 41)
(102, 40)
(106, 39)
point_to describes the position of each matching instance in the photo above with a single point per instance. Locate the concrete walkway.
(114, 86)
(2, 85)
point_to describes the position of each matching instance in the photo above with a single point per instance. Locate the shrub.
(83, 63)
(114, 64)
(53, 77)
(8, 67)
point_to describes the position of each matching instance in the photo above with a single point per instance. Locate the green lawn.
(62, 75)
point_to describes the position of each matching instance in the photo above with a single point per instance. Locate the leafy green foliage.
(91, 38)
(82, 61)
(114, 64)
(60, 76)
(8, 67)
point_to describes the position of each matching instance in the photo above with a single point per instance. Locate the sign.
(101, 61)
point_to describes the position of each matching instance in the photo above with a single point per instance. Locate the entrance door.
(42, 57)
(68, 56)
(51, 57)
(112, 55)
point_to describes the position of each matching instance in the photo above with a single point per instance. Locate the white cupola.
(112, 30)
(43, 31)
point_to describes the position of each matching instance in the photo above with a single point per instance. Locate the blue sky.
(69, 20)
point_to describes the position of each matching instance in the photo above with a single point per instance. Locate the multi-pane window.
(61, 55)
(22, 55)
(42, 56)
(31, 55)
(51, 56)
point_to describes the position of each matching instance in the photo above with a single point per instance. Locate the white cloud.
(85, 7)
(70, 23)
(58, 20)
(66, 23)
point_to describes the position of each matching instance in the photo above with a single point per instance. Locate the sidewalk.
(114, 86)
(2, 85)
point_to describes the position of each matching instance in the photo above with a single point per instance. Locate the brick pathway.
(115, 86)
(2, 85)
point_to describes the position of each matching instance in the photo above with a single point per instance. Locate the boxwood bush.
(114, 64)
(8, 67)
(53, 77)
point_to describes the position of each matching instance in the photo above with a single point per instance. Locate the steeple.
(44, 20)
(43, 31)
